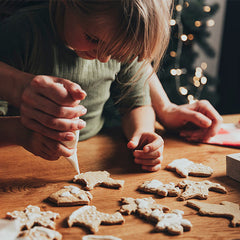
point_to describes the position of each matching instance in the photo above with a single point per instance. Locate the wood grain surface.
(26, 179)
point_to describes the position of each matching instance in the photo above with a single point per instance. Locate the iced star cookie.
(97, 178)
(89, 217)
(158, 188)
(166, 220)
(70, 196)
(224, 209)
(31, 216)
(198, 190)
(185, 167)
(39, 233)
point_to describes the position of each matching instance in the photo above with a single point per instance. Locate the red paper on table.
(228, 135)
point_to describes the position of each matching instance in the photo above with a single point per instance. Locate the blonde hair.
(139, 28)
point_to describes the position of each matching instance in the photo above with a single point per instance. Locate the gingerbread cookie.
(89, 217)
(102, 237)
(158, 188)
(185, 167)
(198, 190)
(224, 209)
(70, 196)
(147, 208)
(140, 206)
(40, 233)
(97, 178)
(172, 222)
(31, 216)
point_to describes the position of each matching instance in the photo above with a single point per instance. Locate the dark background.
(229, 67)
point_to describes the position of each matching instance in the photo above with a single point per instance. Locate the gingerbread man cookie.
(158, 188)
(97, 178)
(185, 167)
(40, 233)
(198, 190)
(70, 196)
(31, 216)
(89, 217)
(147, 208)
(224, 209)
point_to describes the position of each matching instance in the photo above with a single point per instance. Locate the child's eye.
(91, 39)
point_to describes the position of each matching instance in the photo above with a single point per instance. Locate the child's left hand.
(148, 150)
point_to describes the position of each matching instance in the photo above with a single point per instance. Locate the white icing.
(154, 184)
(73, 144)
(74, 190)
(65, 194)
(142, 203)
(50, 233)
(179, 163)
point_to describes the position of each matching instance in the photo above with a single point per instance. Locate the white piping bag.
(74, 158)
(73, 144)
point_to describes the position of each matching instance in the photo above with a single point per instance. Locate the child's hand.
(50, 105)
(148, 150)
(196, 122)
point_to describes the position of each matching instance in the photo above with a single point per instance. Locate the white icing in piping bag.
(73, 144)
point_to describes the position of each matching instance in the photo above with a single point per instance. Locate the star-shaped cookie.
(32, 215)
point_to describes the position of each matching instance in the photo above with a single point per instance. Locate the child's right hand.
(44, 147)
(50, 106)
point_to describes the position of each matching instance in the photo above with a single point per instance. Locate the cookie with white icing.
(91, 218)
(32, 215)
(97, 178)
(40, 233)
(160, 189)
(200, 190)
(140, 206)
(185, 167)
(165, 220)
(70, 196)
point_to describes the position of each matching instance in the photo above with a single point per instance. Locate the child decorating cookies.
(105, 48)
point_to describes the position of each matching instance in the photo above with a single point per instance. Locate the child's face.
(82, 39)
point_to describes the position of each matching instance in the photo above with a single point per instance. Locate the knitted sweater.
(28, 42)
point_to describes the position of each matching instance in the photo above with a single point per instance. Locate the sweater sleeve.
(131, 88)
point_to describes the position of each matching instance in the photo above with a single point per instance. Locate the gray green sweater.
(28, 42)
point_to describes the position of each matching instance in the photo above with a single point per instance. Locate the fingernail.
(146, 149)
(81, 123)
(84, 111)
(69, 137)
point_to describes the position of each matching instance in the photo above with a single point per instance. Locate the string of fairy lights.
(199, 80)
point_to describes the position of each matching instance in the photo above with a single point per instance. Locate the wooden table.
(26, 179)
